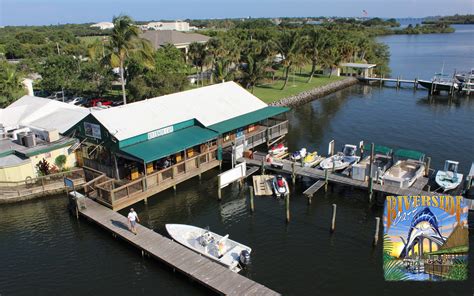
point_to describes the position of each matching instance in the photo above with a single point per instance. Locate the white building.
(103, 25)
(176, 26)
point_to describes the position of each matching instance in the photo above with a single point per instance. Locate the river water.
(44, 251)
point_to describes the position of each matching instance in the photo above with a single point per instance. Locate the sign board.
(160, 132)
(92, 130)
(69, 183)
(232, 175)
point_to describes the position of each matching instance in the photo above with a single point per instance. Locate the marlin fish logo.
(423, 225)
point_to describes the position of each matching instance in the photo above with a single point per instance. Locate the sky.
(46, 12)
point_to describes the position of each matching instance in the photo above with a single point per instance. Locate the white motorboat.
(409, 166)
(341, 160)
(449, 178)
(297, 155)
(381, 162)
(280, 186)
(219, 248)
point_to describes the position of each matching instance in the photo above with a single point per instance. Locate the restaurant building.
(151, 145)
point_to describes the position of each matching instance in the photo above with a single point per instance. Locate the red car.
(99, 101)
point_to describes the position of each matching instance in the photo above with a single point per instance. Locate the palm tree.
(256, 57)
(290, 46)
(317, 41)
(123, 42)
(11, 86)
(198, 56)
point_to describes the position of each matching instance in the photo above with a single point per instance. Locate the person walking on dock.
(133, 219)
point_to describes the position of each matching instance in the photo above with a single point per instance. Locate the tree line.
(245, 53)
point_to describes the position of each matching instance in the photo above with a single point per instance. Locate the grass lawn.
(296, 84)
(90, 39)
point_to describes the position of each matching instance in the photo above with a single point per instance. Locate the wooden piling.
(287, 205)
(333, 166)
(333, 221)
(293, 173)
(326, 181)
(252, 208)
(428, 188)
(263, 167)
(371, 180)
(377, 229)
(415, 84)
(427, 166)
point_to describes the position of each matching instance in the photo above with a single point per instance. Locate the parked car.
(99, 102)
(78, 101)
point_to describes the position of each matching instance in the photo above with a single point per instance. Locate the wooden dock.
(261, 185)
(314, 188)
(199, 268)
(287, 168)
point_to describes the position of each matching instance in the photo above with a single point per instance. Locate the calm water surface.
(45, 252)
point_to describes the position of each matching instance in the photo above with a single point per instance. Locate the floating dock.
(198, 268)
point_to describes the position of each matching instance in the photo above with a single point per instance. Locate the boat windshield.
(349, 151)
(451, 167)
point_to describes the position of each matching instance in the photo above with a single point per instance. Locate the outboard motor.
(244, 258)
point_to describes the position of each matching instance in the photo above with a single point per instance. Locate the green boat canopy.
(246, 119)
(379, 149)
(412, 154)
(166, 145)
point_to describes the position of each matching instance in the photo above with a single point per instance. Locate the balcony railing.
(113, 192)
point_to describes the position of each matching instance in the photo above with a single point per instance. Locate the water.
(44, 251)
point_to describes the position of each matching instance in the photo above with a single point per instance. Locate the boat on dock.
(312, 159)
(341, 160)
(440, 82)
(297, 155)
(218, 248)
(449, 178)
(382, 161)
(277, 149)
(409, 166)
(464, 77)
(280, 186)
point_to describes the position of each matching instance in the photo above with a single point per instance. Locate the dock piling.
(326, 180)
(377, 229)
(252, 208)
(333, 221)
(293, 173)
(427, 167)
(371, 181)
(287, 205)
(263, 167)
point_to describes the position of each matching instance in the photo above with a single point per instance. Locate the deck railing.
(113, 191)
(41, 184)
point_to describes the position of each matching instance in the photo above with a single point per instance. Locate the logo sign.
(160, 132)
(426, 238)
(92, 130)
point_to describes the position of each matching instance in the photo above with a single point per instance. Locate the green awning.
(246, 119)
(412, 154)
(166, 145)
(378, 149)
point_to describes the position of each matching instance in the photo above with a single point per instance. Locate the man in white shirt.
(133, 219)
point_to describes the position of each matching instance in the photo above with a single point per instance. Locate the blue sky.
(44, 12)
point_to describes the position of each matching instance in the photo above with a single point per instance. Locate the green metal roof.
(246, 119)
(166, 145)
(412, 154)
(378, 149)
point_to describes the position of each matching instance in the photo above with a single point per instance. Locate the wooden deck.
(261, 185)
(314, 188)
(286, 167)
(38, 187)
(201, 269)
(119, 194)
